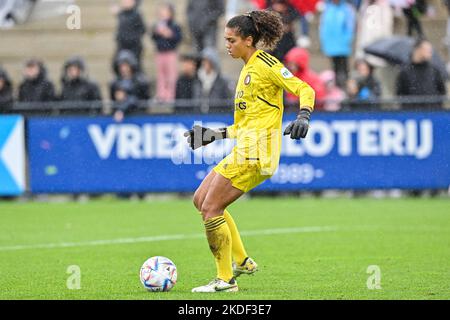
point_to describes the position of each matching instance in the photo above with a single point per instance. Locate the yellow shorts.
(243, 176)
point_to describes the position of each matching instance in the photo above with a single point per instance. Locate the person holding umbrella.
(420, 78)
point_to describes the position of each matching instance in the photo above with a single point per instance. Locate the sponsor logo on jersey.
(286, 73)
(247, 80)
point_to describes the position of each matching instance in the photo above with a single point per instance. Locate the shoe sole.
(232, 289)
(238, 273)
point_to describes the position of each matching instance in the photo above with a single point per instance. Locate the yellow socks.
(238, 250)
(219, 239)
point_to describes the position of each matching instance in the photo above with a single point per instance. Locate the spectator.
(333, 94)
(203, 17)
(411, 12)
(297, 61)
(6, 92)
(36, 87)
(289, 15)
(126, 68)
(259, 4)
(76, 87)
(167, 36)
(214, 87)
(336, 32)
(421, 78)
(124, 99)
(188, 85)
(363, 87)
(375, 22)
(131, 29)
(306, 10)
(446, 40)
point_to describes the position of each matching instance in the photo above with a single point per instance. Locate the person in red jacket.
(297, 61)
(260, 4)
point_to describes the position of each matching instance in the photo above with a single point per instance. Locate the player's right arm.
(200, 136)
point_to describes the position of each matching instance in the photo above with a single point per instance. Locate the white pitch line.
(249, 233)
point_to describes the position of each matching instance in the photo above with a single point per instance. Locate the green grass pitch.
(306, 248)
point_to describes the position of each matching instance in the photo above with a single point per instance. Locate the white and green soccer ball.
(158, 274)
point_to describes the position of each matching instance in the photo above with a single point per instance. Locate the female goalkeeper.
(257, 129)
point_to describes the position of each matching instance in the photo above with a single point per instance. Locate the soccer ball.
(158, 274)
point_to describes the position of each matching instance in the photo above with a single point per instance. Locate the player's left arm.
(281, 76)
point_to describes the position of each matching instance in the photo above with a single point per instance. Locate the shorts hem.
(231, 180)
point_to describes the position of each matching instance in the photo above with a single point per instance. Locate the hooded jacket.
(300, 57)
(220, 88)
(141, 86)
(39, 89)
(80, 89)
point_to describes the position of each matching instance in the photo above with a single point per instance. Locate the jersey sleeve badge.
(286, 73)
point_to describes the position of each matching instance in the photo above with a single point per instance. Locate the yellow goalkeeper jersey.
(258, 109)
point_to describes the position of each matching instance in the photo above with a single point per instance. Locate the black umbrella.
(397, 50)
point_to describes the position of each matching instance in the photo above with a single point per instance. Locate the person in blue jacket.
(336, 32)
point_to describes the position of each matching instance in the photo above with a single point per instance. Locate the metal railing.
(203, 106)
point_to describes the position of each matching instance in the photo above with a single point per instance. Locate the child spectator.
(333, 94)
(126, 68)
(124, 100)
(363, 87)
(166, 35)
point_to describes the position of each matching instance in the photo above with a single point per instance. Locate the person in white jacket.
(375, 22)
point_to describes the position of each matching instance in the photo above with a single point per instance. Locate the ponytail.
(266, 27)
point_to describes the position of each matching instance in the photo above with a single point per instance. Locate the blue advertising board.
(150, 154)
(12, 155)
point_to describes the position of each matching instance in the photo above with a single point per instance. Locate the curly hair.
(265, 26)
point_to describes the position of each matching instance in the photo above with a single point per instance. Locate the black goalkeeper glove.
(199, 136)
(299, 127)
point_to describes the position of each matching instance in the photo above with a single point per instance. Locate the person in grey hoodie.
(215, 88)
(126, 68)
